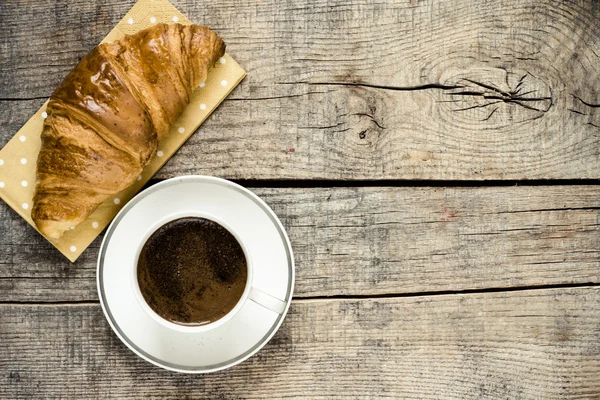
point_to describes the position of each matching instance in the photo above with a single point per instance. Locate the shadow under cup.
(203, 288)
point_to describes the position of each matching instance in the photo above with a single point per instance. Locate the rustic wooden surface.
(534, 344)
(376, 240)
(359, 89)
(433, 283)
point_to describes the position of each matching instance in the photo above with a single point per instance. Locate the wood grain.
(355, 90)
(361, 90)
(378, 240)
(540, 344)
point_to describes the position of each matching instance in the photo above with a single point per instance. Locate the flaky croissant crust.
(106, 118)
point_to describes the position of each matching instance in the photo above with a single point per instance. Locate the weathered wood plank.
(540, 344)
(378, 240)
(361, 90)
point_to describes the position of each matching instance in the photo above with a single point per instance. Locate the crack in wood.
(449, 292)
(274, 97)
(371, 118)
(592, 105)
(477, 106)
(550, 210)
(490, 87)
(511, 97)
(426, 86)
(593, 124)
(346, 297)
(322, 127)
(24, 98)
(526, 58)
(490, 114)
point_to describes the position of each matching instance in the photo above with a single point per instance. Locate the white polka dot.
(175, 19)
(73, 249)
(25, 206)
(203, 106)
(1, 161)
(22, 138)
(23, 161)
(181, 129)
(44, 114)
(160, 153)
(222, 60)
(224, 82)
(117, 200)
(24, 183)
(94, 225)
(139, 178)
(202, 84)
(152, 19)
(130, 21)
(1, 185)
(72, 227)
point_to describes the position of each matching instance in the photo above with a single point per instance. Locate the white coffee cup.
(249, 293)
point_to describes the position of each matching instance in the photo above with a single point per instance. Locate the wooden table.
(435, 163)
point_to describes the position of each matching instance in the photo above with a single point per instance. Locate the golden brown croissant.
(106, 118)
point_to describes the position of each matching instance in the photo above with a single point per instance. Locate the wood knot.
(365, 116)
(14, 376)
(496, 96)
(369, 127)
(370, 119)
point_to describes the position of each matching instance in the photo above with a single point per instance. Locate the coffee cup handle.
(266, 300)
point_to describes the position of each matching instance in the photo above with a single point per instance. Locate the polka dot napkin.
(18, 157)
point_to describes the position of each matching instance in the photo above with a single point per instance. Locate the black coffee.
(192, 271)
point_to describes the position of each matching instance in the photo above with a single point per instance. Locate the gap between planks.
(335, 183)
(353, 297)
(321, 183)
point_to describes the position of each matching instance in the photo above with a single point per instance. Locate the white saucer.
(250, 328)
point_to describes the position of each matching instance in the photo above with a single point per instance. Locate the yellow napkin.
(18, 157)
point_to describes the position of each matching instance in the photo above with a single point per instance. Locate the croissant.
(106, 118)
